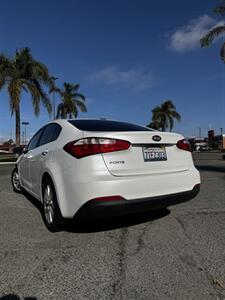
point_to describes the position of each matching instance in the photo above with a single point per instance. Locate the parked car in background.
(95, 168)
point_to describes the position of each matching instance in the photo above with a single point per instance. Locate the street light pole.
(200, 132)
(25, 131)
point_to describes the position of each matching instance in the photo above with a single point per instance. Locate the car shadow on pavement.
(104, 224)
(211, 168)
(15, 297)
(110, 223)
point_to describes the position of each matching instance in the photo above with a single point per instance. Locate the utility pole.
(199, 132)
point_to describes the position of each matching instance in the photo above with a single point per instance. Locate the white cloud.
(132, 79)
(187, 37)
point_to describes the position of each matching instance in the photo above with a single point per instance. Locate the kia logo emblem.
(156, 138)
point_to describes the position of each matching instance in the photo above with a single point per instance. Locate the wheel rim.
(16, 182)
(48, 204)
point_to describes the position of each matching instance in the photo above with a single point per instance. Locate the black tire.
(15, 181)
(51, 213)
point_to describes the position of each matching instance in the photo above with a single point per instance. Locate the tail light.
(89, 146)
(184, 145)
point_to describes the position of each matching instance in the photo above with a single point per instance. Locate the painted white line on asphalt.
(8, 163)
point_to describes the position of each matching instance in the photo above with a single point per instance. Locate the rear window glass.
(105, 125)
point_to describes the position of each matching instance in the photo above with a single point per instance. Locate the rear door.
(24, 164)
(42, 153)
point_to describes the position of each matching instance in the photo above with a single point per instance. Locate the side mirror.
(18, 150)
(25, 150)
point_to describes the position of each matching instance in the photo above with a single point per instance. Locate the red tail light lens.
(90, 146)
(108, 198)
(184, 145)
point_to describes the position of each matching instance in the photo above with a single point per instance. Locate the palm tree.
(163, 116)
(23, 73)
(71, 101)
(215, 32)
(154, 125)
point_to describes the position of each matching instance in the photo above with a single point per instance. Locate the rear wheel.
(51, 212)
(15, 181)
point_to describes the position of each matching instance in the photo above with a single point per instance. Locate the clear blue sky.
(128, 56)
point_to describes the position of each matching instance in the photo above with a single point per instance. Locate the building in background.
(219, 142)
(216, 141)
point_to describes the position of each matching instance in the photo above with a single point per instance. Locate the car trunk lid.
(151, 152)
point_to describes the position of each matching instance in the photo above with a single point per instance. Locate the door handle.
(45, 152)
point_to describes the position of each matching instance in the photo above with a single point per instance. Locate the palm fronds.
(23, 73)
(209, 37)
(163, 116)
(222, 52)
(71, 101)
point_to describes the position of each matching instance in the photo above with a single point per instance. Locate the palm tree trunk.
(164, 124)
(17, 116)
(64, 114)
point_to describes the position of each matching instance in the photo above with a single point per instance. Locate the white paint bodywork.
(77, 181)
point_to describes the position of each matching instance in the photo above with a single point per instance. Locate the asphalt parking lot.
(176, 253)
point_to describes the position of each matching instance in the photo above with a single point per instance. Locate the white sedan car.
(93, 168)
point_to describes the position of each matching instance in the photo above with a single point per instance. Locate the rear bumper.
(96, 209)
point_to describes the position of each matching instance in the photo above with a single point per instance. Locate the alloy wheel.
(48, 204)
(16, 182)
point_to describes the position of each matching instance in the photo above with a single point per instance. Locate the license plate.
(154, 153)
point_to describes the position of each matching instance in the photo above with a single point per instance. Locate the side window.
(50, 134)
(35, 139)
(56, 133)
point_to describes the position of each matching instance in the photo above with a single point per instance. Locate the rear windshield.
(105, 125)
